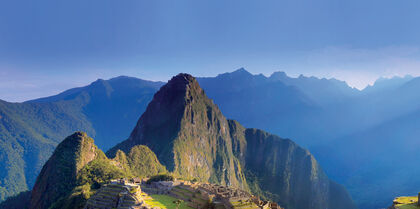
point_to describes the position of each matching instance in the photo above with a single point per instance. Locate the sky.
(48, 46)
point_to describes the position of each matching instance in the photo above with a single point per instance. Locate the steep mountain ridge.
(192, 138)
(188, 133)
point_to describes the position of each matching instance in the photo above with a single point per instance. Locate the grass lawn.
(407, 202)
(164, 201)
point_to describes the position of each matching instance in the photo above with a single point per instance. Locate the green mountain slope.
(59, 174)
(28, 135)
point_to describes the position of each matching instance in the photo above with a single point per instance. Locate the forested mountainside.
(29, 133)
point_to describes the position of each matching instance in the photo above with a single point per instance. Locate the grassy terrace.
(164, 201)
(407, 202)
(183, 193)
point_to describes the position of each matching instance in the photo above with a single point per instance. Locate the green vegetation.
(28, 135)
(76, 170)
(99, 171)
(143, 162)
(165, 201)
(160, 177)
(178, 203)
(407, 202)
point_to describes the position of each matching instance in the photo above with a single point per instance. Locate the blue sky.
(48, 46)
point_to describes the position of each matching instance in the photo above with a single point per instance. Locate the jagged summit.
(188, 132)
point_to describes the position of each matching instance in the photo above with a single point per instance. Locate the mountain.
(323, 91)
(188, 133)
(78, 168)
(29, 131)
(285, 106)
(58, 176)
(268, 104)
(108, 109)
(193, 139)
(282, 171)
(384, 84)
(110, 106)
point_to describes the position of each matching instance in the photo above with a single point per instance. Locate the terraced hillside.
(116, 196)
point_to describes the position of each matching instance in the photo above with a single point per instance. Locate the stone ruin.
(119, 194)
(126, 194)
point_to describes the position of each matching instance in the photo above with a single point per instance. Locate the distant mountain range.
(336, 122)
(30, 131)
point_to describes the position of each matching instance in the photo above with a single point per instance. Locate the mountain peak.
(279, 75)
(241, 73)
(241, 70)
(187, 131)
(182, 79)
